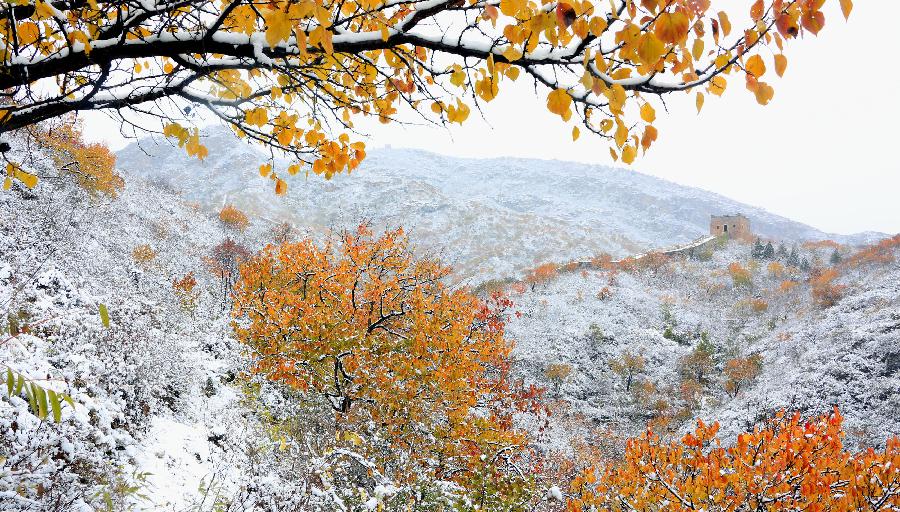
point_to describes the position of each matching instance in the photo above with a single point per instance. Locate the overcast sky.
(823, 152)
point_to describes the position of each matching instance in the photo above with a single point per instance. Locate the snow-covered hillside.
(489, 218)
(160, 408)
(685, 316)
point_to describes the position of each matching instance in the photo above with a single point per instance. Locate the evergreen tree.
(794, 259)
(769, 252)
(757, 251)
(835, 257)
(804, 265)
(782, 252)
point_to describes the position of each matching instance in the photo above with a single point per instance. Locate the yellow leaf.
(699, 102)
(697, 50)
(280, 187)
(575, 133)
(648, 114)
(628, 154)
(265, 170)
(671, 27)
(458, 113)
(846, 7)
(717, 85)
(7, 184)
(621, 134)
(780, 64)
(30, 180)
(559, 102)
(458, 77)
(764, 93)
(724, 23)
(755, 66)
(278, 27)
(650, 48)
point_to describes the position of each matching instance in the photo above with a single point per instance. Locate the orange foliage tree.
(825, 292)
(787, 464)
(880, 253)
(398, 356)
(297, 75)
(541, 274)
(230, 216)
(741, 371)
(740, 275)
(143, 254)
(92, 165)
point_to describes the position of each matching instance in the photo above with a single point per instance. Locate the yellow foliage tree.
(232, 217)
(417, 370)
(143, 254)
(297, 74)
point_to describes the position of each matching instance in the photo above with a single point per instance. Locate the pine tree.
(757, 251)
(782, 252)
(794, 259)
(769, 252)
(804, 265)
(835, 257)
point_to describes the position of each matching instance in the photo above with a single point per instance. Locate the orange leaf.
(780, 64)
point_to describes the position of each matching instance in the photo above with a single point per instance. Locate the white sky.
(822, 152)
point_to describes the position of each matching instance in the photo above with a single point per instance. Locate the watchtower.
(733, 226)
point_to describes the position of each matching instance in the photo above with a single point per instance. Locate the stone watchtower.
(733, 226)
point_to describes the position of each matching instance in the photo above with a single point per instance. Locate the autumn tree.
(700, 362)
(418, 370)
(740, 275)
(186, 291)
(297, 75)
(92, 165)
(825, 291)
(143, 254)
(787, 463)
(741, 371)
(541, 274)
(232, 217)
(558, 373)
(627, 367)
(223, 262)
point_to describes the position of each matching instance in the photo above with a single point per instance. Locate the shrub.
(143, 254)
(825, 293)
(628, 366)
(740, 371)
(740, 276)
(541, 274)
(758, 305)
(282, 233)
(233, 218)
(558, 373)
(776, 270)
(602, 261)
(604, 293)
(186, 292)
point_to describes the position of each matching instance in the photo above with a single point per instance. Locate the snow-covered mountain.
(159, 407)
(488, 217)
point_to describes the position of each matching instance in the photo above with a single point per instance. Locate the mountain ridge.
(473, 210)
